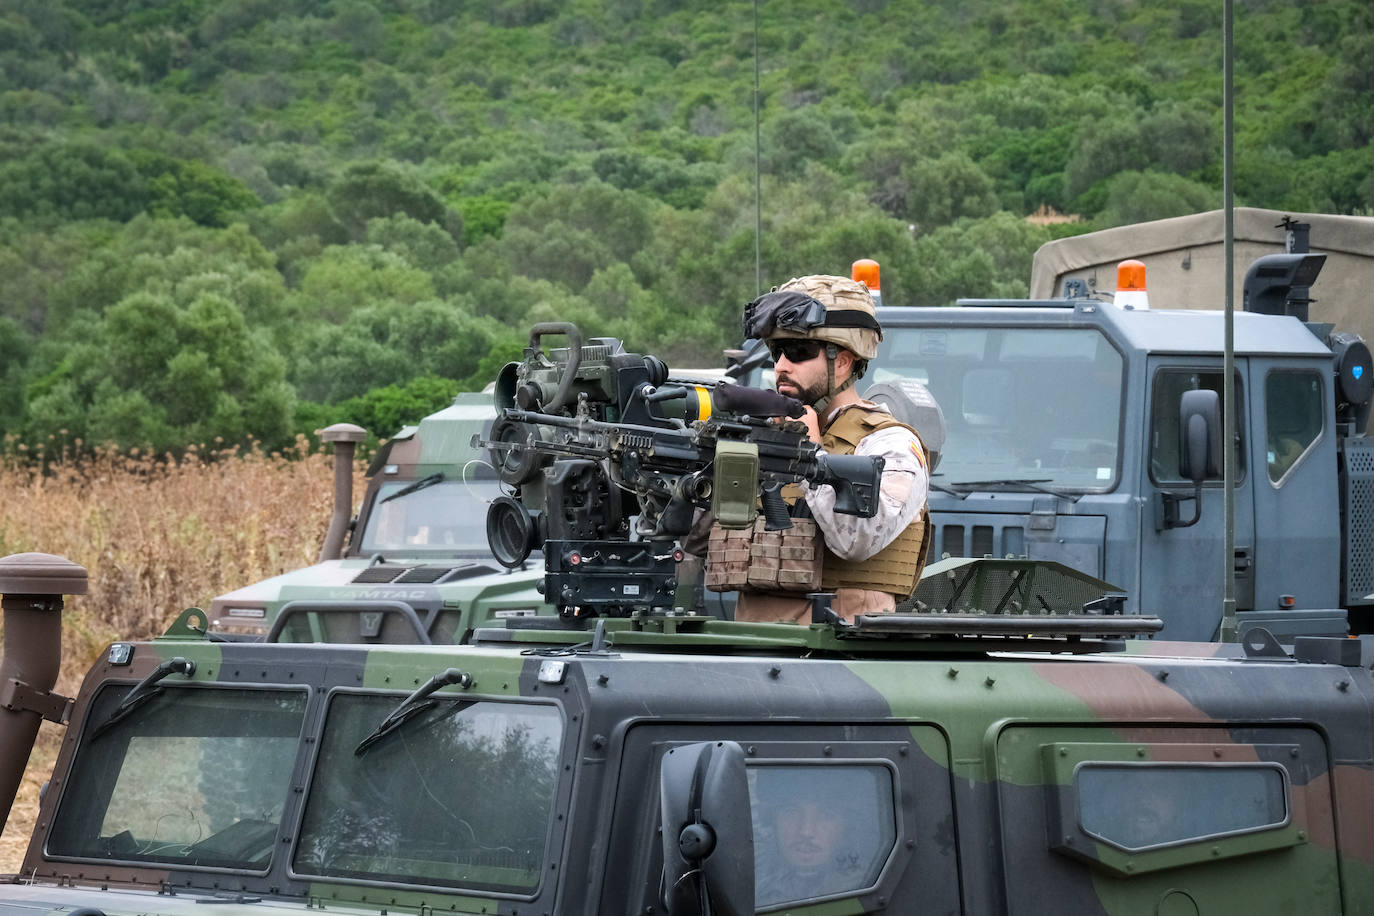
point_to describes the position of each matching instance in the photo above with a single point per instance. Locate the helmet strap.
(822, 404)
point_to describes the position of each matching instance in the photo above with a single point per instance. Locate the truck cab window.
(1292, 418)
(1021, 404)
(1169, 385)
(195, 777)
(819, 830)
(460, 793)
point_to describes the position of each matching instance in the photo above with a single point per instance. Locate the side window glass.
(819, 830)
(1169, 386)
(1177, 804)
(1293, 412)
(1139, 816)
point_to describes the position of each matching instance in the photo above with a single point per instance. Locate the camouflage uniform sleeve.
(903, 495)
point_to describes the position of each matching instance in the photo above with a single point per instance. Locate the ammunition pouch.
(755, 560)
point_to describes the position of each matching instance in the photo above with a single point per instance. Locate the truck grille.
(977, 541)
(1357, 511)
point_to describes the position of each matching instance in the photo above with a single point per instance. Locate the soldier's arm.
(902, 496)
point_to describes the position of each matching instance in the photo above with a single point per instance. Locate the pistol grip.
(775, 514)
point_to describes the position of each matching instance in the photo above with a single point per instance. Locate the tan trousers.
(757, 607)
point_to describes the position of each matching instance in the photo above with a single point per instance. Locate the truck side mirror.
(1199, 455)
(1199, 435)
(708, 832)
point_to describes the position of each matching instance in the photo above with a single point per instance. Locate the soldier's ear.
(844, 362)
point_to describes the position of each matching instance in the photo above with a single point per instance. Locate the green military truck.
(415, 555)
(1017, 763)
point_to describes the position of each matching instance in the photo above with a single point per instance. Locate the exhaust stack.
(345, 437)
(31, 586)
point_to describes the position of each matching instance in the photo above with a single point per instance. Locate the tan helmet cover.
(837, 293)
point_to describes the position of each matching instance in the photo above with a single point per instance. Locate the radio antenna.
(758, 187)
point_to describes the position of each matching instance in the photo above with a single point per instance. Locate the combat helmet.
(837, 310)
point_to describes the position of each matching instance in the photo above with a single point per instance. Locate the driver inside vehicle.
(811, 839)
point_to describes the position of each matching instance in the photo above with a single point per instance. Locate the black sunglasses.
(796, 351)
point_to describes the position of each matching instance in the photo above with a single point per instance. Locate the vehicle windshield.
(1025, 407)
(460, 794)
(195, 776)
(448, 515)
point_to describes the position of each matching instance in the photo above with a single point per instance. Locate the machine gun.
(593, 438)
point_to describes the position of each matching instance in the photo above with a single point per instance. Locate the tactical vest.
(897, 567)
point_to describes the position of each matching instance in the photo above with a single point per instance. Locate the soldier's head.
(810, 832)
(810, 813)
(821, 330)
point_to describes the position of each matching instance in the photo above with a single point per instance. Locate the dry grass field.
(156, 537)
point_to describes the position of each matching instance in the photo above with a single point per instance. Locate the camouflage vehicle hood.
(535, 772)
(449, 597)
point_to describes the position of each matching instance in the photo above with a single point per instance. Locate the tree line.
(225, 222)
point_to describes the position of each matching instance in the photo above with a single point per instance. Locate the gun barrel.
(548, 419)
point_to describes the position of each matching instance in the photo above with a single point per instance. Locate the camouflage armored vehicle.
(1018, 764)
(415, 555)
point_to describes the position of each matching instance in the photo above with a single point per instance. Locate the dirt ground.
(15, 839)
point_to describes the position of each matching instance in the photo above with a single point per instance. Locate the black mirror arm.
(1170, 514)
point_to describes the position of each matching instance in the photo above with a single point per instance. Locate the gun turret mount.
(609, 481)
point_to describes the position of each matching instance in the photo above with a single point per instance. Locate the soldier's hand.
(813, 423)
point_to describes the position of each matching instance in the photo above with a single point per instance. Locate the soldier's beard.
(808, 395)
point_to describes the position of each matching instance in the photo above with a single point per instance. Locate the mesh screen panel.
(376, 574)
(1358, 511)
(1004, 587)
(425, 574)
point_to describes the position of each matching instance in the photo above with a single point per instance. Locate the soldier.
(822, 331)
(818, 831)
(810, 855)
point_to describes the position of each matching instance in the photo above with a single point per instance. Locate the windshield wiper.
(946, 488)
(144, 691)
(431, 480)
(413, 705)
(1019, 483)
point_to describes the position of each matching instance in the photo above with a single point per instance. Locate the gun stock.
(856, 479)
